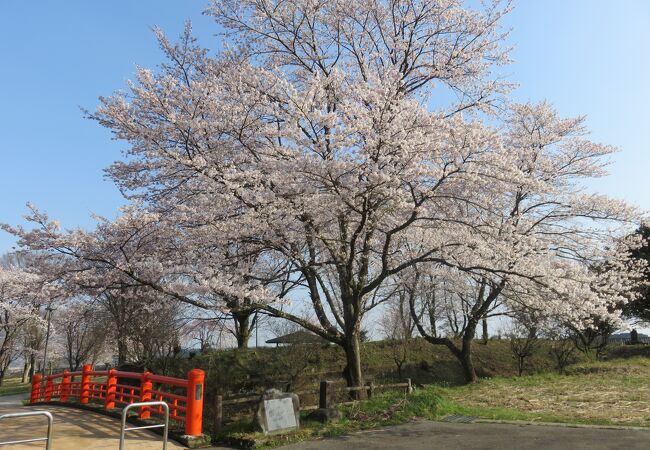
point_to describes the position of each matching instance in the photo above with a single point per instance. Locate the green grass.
(615, 392)
(449, 407)
(390, 408)
(12, 386)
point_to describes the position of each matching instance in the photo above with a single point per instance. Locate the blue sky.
(585, 56)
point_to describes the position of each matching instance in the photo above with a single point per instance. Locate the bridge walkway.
(73, 429)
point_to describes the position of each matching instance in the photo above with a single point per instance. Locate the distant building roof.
(298, 337)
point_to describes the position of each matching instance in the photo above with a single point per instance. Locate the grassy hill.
(298, 367)
(610, 392)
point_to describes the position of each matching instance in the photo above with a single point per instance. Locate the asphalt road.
(440, 435)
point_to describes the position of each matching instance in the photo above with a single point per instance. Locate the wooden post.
(409, 388)
(84, 394)
(111, 389)
(36, 388)
(218, 415)
(194, 404)
(48, 388)
(145, 395)
(326, 397)
(371, 389)
(65, 386)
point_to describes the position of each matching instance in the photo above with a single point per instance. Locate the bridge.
(72, 429)
(86, 407)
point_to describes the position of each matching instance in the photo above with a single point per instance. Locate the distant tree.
(592, 340)
(562, 348)
(19, 292)
(82, 329)
(639, 309)
(398, 327)
(209, 332)
(523, 339)
(34, 338)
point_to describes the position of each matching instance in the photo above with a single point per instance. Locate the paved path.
(439, 435)
(73, 429)
(78, 429)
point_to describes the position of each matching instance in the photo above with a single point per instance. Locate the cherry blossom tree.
(19, 302)
(145, 249)
(538, 242)
(310, 141)
(82, 331)
(318, 156)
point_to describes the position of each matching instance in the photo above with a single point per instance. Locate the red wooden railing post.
(111, 389)
(36, 388)
(48, 388)
(84, 394)
(65, 386)
(145, 395)
(194, 404)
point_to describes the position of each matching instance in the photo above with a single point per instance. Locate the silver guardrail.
(47, 439)
(125, 411)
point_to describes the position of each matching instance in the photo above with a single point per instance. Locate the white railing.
(125, 411)
(47, 439)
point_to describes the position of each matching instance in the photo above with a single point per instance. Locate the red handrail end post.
(111, 389)
(36, 388)
(65, 386)
(194, 404)
(146, 387)
(84, 395)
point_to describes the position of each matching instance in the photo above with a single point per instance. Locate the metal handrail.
(123, 428)
(47, 439)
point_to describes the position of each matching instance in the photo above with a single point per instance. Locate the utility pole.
(48, 313)
(256, 327)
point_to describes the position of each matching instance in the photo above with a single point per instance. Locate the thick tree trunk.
(466, 352)
(468, 365)
(353, 374)
(242, 338)
(243, 328)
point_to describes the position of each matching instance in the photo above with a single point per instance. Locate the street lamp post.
(48, 310)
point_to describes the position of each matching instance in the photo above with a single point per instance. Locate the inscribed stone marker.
(278, 412)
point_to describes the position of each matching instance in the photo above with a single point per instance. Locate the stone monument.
(278, 412)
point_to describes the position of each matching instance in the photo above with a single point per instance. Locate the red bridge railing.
(110, 388)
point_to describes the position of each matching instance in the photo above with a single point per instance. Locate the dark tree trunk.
(353, 374)
(521, 363)
(466, 352)
(484, 323)
(468, 366)
(32, 366)
(243, 327)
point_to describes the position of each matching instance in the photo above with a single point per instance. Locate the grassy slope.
(12, 386)
(305, 366)
(614, 392)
